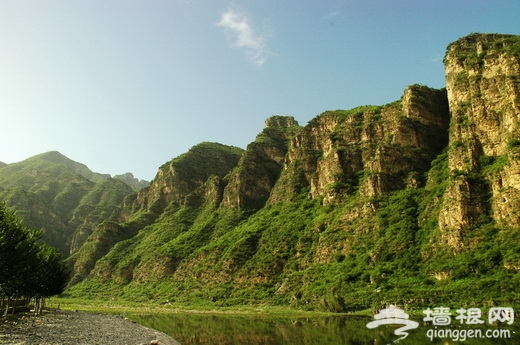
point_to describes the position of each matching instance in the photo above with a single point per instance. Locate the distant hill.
(133, 182)
(63, 197)
(48, 160)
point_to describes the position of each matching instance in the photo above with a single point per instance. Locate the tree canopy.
(28, 268)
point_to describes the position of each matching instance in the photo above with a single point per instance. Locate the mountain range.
(63, 197)
(414, 203)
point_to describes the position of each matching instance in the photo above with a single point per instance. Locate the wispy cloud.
(241, 35)
(331, 15)
(436, 59)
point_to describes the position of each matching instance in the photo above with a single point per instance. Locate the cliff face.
(483, 83)
(258, 170)
(374, 149)
(346, 212)
(181, 176)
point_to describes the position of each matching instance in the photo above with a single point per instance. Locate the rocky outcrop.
(482, 79)
(373, 149)
(258, 170)
(132, 181)
(483, 84)
(181, 176)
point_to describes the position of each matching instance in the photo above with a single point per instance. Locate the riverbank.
(76, 328)
(114, 306)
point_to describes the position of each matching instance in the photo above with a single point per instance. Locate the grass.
(120, 307)
(115, 306)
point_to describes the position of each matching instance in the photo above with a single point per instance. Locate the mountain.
(63, 197)
(182, 187)
(133, 182)
(414, 203)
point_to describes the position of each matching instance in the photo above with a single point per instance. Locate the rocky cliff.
(259, 168)
(374, 149)
(412, 202)
(483, 83)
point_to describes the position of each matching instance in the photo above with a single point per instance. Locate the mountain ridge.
(409, 203)
(57, 157)
(412, 203)
(62, 196)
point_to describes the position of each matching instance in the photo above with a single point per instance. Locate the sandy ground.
(59, 327)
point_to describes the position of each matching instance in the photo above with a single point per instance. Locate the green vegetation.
(359, 251)
(467, 56)
(307, 256)
(513, 143)
(196, 157)
(28, 269)
(344, 114)
(359, 209)
(60, 196)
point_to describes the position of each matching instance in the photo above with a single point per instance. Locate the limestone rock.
(251, 182)
(373, 149)
(483, 84)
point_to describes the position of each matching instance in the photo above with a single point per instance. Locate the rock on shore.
(77, 328)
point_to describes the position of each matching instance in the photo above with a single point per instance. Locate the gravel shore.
(59, 327)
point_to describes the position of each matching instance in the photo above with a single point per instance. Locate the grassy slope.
(306, 256)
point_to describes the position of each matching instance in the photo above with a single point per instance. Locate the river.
(259, 329)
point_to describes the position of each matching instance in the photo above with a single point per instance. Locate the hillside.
(414, 202)
(63, 197)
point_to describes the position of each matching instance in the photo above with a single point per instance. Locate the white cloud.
(331, 15)
(241, 35)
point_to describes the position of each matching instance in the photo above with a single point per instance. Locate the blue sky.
(128, 85)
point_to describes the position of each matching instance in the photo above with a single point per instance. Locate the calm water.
(220, 329)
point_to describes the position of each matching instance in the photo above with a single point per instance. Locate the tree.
(28, 269)
(50, 276)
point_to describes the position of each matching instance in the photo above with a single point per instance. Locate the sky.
(127, 85)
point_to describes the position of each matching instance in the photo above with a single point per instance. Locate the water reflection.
(218, 329)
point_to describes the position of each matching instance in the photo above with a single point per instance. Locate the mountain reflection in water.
(254, 329)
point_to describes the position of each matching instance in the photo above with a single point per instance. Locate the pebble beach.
(60, 327)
